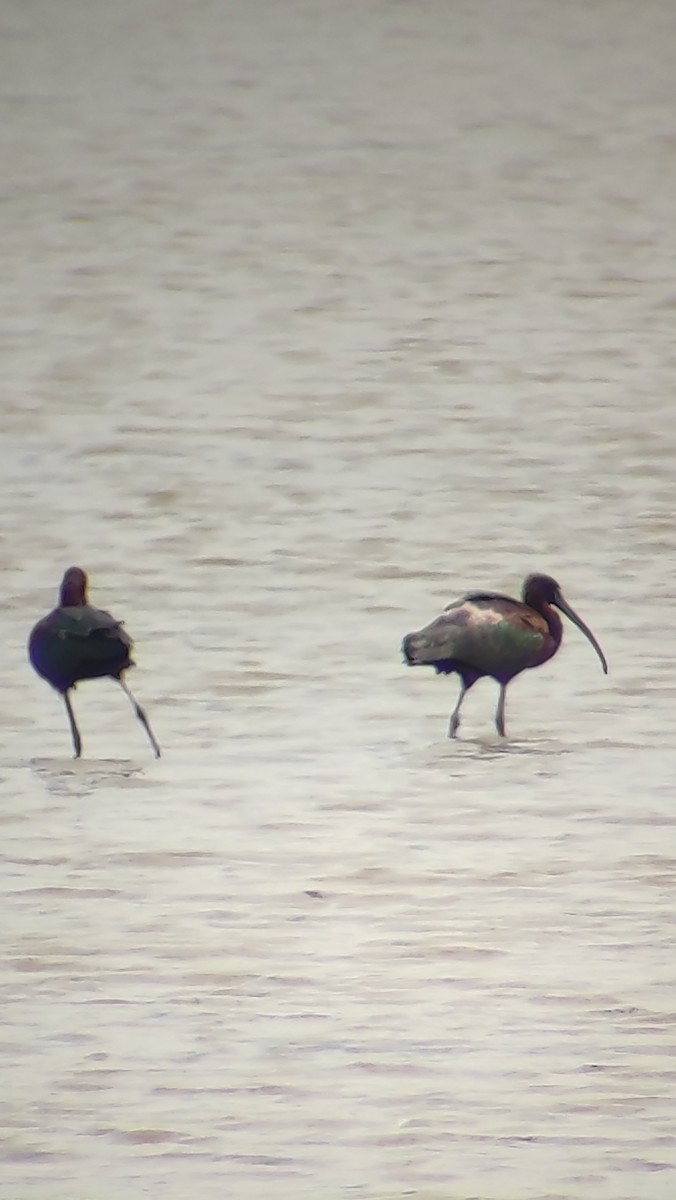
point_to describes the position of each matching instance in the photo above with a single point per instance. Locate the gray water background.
(315, 315)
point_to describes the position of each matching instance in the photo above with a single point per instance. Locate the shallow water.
(316, 316)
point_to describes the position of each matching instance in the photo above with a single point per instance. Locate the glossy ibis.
(76, 642)
(485, 633)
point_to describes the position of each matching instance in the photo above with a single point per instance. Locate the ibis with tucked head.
(485, 633)
(76, 642)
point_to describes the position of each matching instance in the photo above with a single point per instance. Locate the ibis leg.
(500, 711)
(141, 716)
(455, 715)
(77, 740)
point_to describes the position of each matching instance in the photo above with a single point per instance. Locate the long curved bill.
(563, 604)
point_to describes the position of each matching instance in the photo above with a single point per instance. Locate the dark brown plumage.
(485, 633)
(76, 641)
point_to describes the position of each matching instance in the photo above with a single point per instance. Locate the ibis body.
(76, 641)
(486, 633)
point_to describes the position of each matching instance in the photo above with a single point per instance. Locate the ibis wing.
(492, 635)
(79, 642)
(83, 621)
(484, 598)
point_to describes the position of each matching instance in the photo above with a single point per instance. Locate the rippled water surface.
(316, 315)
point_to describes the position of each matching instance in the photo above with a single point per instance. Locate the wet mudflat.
(315, 317)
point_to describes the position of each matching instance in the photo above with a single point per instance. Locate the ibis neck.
(554, 624)
(73, 592)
